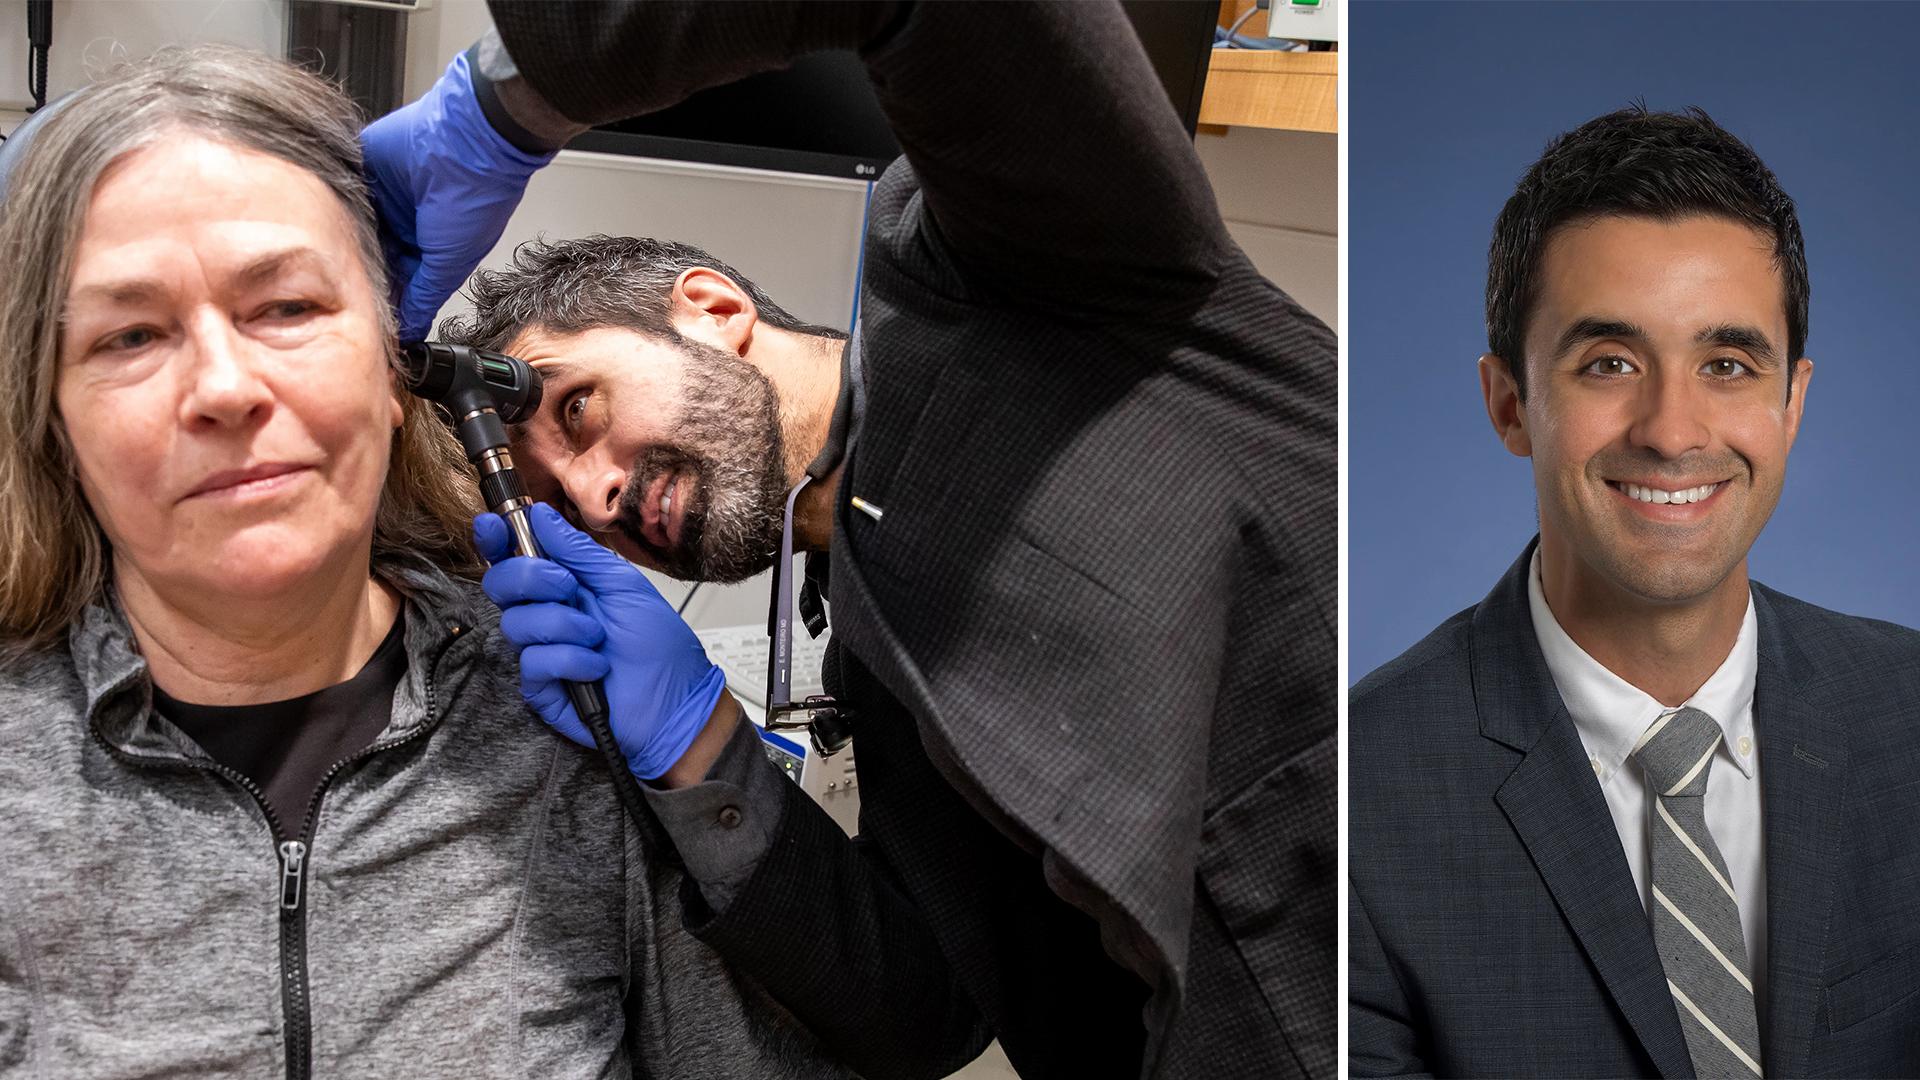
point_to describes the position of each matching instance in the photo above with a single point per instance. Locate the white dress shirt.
(1611, 714)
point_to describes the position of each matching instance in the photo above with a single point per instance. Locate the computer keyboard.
(741, 652)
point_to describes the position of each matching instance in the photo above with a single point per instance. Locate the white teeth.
(1661, 498)
(666, 504)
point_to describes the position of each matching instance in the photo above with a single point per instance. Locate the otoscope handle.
(481, 393)
(589, 698)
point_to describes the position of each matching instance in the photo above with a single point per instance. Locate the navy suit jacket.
(1494, 925)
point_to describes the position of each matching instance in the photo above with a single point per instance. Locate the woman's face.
(223, 374)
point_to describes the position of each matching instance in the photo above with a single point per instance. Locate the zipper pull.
(293, 854)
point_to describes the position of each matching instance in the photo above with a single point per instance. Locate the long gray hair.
(53, 556)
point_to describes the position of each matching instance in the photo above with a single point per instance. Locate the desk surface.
(1295, 91)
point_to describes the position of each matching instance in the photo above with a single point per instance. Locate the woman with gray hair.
(271, 798)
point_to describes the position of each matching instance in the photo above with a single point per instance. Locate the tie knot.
(1677, 752)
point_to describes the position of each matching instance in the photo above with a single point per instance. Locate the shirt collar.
(113, 674)
(1611, 713)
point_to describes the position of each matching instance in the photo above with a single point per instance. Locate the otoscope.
(482, 392)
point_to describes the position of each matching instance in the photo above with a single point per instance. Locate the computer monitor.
(820, 116)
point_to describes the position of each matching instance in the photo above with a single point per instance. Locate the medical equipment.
(828, 721)
(482, 392)
(741, 652)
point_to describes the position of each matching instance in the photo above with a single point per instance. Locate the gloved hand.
(584, 613)
(444, 183)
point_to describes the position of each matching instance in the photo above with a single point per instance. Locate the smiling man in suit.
(1634, 814)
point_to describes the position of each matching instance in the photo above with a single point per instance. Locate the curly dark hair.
(571, 286)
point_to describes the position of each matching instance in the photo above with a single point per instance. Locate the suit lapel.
(1802, 784)
(1560, 815)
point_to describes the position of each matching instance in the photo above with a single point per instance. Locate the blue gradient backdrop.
(1450, 103)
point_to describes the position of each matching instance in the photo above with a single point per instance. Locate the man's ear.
(1797, 380)
(1504, 407)
(708, 306)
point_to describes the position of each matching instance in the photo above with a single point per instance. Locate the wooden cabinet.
(1296, 91)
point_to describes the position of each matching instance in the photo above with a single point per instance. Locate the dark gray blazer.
(1092, 640)
(1495, 929)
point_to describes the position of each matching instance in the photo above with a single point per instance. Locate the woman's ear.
(398, 380)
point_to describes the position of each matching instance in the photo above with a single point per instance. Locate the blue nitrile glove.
(444, 183)
(584, 613)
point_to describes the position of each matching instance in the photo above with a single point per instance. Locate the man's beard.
(729, 443)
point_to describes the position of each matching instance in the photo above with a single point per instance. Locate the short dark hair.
(1636, 163)
(571, 286)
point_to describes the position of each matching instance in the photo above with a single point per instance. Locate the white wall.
(435, 35)
(1280, 194)
(90, 35)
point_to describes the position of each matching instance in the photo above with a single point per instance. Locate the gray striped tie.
(1696, 918)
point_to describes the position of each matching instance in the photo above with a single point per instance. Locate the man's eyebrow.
(552, 368)
(1755, 343)
(548, 370)
(1593, 328)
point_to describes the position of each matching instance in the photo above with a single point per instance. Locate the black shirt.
(286, 747)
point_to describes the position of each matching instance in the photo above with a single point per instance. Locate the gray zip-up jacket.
(470, 899)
